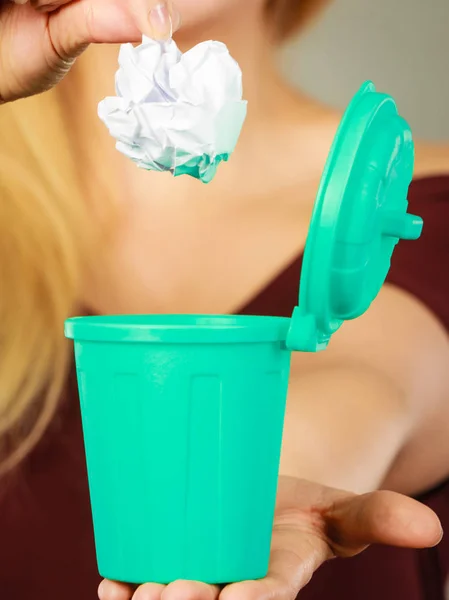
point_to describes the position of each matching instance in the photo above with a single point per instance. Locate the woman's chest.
(189, 248)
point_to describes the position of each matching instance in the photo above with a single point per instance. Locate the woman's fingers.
(45, 5)
(381, 518)
(91, 21)
(189, 590)
(149, 591)
(110, 590)
(64, 32)
(179, 590)
(103, 21)
(152, 17)
(157, 19)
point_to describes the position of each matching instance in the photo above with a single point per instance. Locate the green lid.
(359, 216)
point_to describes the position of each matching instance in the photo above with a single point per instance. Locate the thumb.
(381, 518)
(157, 19)
(109, 22)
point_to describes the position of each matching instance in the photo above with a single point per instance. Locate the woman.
(82, 227)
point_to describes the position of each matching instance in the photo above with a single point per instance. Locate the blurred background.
(401, 45)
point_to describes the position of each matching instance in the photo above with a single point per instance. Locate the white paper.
(176, 112)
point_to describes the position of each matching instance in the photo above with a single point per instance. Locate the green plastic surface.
(203, 168)
(182, 442)
(359, 216)
(183, 415)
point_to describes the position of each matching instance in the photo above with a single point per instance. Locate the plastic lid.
(359, 216)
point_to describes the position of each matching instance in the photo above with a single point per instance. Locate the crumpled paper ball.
(176, 112)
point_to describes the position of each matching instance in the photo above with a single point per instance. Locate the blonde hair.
(45, 236)
(50, 224)
(41, 213)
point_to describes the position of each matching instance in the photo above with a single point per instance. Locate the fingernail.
(175, 19)
(20, 1)
(160, 21)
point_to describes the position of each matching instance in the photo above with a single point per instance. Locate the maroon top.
(46, 538)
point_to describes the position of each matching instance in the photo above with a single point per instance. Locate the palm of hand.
(313, 523)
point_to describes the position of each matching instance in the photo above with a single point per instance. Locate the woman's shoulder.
(432, 160)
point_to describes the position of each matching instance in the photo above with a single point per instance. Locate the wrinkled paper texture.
(176, 112)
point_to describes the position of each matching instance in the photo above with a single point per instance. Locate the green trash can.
(183, 422)
(183, 415)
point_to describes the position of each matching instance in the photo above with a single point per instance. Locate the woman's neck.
(248, 41)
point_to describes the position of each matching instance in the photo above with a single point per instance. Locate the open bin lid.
(359, 216)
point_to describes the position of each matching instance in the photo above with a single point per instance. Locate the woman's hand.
(40, 39)
(313, 524)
